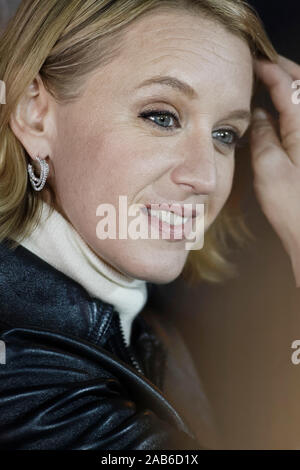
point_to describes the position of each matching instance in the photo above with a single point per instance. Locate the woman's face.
(105, 147)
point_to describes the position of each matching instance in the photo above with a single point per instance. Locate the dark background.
(240, 332)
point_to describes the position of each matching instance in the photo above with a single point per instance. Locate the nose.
(196, 169)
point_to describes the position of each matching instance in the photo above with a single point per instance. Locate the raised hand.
(276, 154)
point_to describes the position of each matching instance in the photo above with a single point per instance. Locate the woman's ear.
(32, 121)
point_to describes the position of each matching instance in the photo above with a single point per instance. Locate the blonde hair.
(64, 41)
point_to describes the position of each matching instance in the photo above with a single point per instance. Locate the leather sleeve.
(56, 394)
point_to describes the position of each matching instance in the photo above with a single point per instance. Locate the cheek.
(226, 177)
(225, 173)
(92, 166)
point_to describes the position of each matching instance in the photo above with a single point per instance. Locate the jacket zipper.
(127, 348)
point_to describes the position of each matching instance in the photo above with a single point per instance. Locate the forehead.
(197, 50)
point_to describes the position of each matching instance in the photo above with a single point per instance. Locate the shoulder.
(59, 392)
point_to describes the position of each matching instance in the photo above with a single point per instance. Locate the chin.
(163, 279)
(149, 265)
(156, 274)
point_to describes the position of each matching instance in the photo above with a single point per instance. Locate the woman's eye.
(227, 137)
(164, 119)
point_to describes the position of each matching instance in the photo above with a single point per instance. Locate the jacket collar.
(41, 296)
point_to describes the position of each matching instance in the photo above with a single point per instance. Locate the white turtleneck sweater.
(59, 244)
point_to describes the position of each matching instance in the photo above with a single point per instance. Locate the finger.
(265, 143)
(279, 83)
(289, 66)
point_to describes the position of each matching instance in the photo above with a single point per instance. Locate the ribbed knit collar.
(57, 242)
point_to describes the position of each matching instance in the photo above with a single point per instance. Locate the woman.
(146, 100)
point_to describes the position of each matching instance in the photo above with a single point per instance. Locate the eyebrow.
(187, 90)
(172, 82)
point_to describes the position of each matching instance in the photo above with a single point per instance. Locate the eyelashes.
(236, 139)
(160, 114)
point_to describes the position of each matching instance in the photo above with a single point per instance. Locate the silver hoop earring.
(39, 182)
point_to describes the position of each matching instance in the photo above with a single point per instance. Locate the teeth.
(168, 217)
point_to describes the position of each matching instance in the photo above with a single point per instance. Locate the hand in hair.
(275, 148)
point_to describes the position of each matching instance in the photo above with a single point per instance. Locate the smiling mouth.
(167, 217)
(167, 224)
(178, 209)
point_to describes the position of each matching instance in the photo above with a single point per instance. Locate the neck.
(57, 242)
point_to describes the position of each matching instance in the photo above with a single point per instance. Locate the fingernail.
(259, 113)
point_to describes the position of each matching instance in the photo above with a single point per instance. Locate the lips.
(165, 228)
(185, 210)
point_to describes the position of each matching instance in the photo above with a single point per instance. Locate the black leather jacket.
(70, 381)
